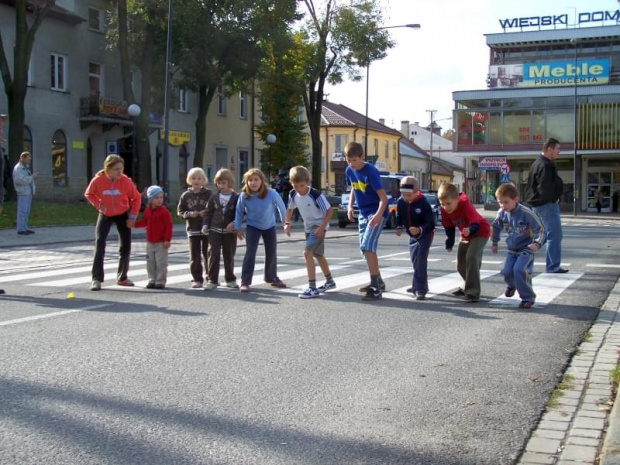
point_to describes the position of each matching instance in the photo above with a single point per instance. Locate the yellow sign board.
(176, 138)
(77, 144)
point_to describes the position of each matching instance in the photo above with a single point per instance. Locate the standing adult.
(116, 198)
(544, 188)
(598, 196)
(23, 180)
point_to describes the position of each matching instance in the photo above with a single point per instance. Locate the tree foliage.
(339, 42)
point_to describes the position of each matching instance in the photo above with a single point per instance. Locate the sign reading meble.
(566, 73)
(561, 20)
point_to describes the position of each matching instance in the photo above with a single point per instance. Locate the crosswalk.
(349, 274)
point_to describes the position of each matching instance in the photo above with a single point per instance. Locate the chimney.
(404, 128)
(382, 121)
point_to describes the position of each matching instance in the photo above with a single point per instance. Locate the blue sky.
(447, 54)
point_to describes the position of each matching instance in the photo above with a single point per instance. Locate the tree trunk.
(313, 103)
(205, 97)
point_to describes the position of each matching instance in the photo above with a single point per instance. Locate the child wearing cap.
(158, 223)
(415, 215)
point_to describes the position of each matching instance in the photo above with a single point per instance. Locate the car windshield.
(432, 199)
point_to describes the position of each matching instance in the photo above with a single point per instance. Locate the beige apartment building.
(340, 125)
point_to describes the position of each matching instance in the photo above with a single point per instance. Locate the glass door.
(600, 181)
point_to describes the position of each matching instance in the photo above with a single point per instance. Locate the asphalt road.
(136, 376)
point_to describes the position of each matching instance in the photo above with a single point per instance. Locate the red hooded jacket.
(113, 197)
(158, 224)
(464, 215)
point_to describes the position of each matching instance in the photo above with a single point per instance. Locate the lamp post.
(411, 26)
(164, 176)
(270, 140)
(134, 111)
(575, 128)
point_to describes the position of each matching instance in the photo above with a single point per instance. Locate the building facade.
(562, 83)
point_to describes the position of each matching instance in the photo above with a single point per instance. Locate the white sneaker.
(232, 284)
(196, 285)
(310, 293)
(210, 286)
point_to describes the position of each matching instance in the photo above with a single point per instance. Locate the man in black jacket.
(544, 188)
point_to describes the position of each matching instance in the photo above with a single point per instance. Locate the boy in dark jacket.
(458, 212)
(220, 213)
(415, 215)
(192, 208)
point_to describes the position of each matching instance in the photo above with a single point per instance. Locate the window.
(221, 101)
(59, 159)
(59, 72)
(340, 141)
(386, 149)
(183, 100)
(243, 106)
(95, 78)
(95, 20)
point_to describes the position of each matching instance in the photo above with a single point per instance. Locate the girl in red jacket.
(158, 223)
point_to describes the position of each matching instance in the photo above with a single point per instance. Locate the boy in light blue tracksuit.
(526, 235)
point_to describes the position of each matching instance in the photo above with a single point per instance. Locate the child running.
(316, 213)
(367, 190)
(158, 223)
(415, 215)
(220, 214)
(526, 235)
(192, 208)
(458, 212)
(258, 202)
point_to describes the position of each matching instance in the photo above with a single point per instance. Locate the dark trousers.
(418, 252)
(227, 245)
(252, 236)
(468, 263)
(198, 251)
(102, 229)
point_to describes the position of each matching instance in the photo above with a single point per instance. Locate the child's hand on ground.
(494, 248)
(166, 244)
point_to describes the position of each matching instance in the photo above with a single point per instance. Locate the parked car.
(332, 198)
(434, 201)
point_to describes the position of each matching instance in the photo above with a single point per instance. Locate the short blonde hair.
(447, 191)
(111, 161)
(507, 190)
(196, 171)
(24, 155)
(224, 175)
(262, 192)
(299, 174)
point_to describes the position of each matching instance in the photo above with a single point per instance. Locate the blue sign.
(504, 178)
(566, 73)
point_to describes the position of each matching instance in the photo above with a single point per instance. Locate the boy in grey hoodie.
(526, 235)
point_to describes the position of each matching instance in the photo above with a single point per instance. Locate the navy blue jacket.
(419, 213)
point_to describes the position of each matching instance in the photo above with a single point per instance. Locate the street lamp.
(270, 139)
(134, 111)
(164, 176)
(411, 26)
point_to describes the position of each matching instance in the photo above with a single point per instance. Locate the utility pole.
(430, 170)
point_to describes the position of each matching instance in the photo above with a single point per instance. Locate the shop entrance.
(602, 181)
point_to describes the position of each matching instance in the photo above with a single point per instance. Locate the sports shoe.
(232, 284)
(459, 292)
(278, 283)
(526, 304)
(150, 286)
(560, 270)
(96, 285)
(410, 289)
(210, 286)
(373, 293)
(159, 286)
(366, 288)
(22, 233)
(327, 286)
(196, 285)
(309, 293)
(510, 291)
(125, 282)
(29, 231)
(420, 296)
(471, 299)
(244, 288)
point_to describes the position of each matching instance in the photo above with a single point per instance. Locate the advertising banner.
(492, 163)
(550, 74)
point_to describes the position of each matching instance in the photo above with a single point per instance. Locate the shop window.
(58, 72)
(59, 159)
(560, 125)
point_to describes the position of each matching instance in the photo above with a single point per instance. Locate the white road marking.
(51, 315)
(602, 265)
(407, 259)
(547, 287)
(61, 271)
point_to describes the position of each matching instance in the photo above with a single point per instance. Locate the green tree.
(221, 43)
(28, 17)
(338, 41)
(280, 89)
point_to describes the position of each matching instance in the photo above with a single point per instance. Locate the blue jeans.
(517, 272)
(23, 211)
(549, 214)
(252, 236)
(418, 252)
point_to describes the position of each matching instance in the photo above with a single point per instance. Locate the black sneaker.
(420, 296)
(327, 286)
(510, 291)
(372, 293)
(470, 298)
(368, 287)
(459, 292)
(410, 289)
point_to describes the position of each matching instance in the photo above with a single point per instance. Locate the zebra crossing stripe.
(51, 315)
(57, 272)
(547, 287)
(436, 286)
